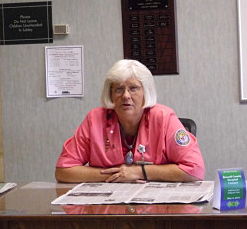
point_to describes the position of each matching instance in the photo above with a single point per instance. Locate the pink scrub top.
(97, 141)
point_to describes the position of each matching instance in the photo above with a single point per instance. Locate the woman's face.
(128, 98)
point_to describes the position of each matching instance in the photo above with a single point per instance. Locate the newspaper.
(147, 193)
(4, 187)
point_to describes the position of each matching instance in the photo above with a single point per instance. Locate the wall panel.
(1, 143)
(206, 89)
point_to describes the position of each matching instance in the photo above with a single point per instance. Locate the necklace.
(129, 157)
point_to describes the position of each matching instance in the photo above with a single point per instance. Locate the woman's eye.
(119, 90)
(133, 89)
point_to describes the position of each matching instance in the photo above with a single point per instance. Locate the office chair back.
(189, 125)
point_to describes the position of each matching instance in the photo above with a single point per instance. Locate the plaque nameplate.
(147, 4)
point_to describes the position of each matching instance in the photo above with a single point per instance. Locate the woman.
(130, 138)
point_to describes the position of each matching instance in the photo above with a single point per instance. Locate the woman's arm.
(78, 174)
(168, 172)
(124, 173)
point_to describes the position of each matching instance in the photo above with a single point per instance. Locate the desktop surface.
(30, 204)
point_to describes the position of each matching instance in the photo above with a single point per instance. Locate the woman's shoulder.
(101, 113)
(161, 109)
(161, 115)
(97, 111)
(95, 116)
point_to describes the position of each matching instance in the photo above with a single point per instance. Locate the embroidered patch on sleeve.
(182, 138)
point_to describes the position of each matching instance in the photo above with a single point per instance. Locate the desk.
(27, 207)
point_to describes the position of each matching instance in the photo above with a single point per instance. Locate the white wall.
(207, 88)
(1, 143)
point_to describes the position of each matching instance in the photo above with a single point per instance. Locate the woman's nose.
(126, 93)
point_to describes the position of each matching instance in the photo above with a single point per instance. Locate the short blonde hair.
(123, 70)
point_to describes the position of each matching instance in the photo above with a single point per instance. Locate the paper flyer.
(64, 71)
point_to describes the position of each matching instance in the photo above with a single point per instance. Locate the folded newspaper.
(4, 187)
(147, 193)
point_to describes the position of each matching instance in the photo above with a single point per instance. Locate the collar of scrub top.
(111, 115)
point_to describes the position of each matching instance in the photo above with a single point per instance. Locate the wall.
(207, 88)
(1, 144)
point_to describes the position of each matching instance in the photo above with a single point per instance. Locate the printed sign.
(230, 190)
(26, 23)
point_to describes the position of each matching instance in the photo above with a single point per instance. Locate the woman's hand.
(124, 173)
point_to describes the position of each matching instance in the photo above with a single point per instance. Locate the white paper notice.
(64, 71)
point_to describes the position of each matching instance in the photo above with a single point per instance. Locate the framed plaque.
(149, 34)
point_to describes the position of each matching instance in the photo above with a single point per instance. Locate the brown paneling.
(128, 223)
